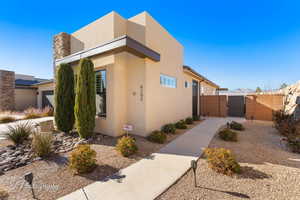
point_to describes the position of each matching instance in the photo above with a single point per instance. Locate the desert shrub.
(181, 124)
(82, 159)
(196, 118)
(3, 194)
(236, 126)
(41, 143)
(189, 120)
(294, 145)
(157, 137)
(85, 100)
(47, 111)
(32, 113)
(280, 117)
(169, 128)
(126, 146)
(7, 119)
(19, 132)
(222, 161)
(288, 128)
(228, 135)
(64, 98)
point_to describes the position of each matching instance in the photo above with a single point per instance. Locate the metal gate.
(236, 106)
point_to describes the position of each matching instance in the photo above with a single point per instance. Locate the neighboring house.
(19, 91)
(139, 72)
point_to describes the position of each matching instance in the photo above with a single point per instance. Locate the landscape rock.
(12, 156)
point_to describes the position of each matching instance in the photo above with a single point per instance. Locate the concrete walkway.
(149, 177)
(4, 127)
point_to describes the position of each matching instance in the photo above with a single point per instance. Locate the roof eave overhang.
(199, 76)
(123, 43)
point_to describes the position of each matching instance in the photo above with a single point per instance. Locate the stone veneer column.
(61, 48)
(7, 90)
(61, 45)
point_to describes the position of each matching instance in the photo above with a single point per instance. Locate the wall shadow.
(235, 194)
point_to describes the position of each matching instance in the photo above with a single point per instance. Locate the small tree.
(85, 101)
(258, 90)
(64, 98)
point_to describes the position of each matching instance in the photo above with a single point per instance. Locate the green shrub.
(281, 116)
(294, 145)
(169, 128)
(19, 132)
(189, 120)
(196, 118)
(181, 125)
(126, 146)
(7, 119)
(82, 159)
(85, 101)
(222, 161)
(64, 98)
(42, 143)
(228, 135)
(157, 137)
(289, 128)
(236, 126)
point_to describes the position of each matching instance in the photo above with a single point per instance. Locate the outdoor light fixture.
(29, 179)
(194, 167)
(228, 125)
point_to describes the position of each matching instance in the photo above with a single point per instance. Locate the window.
(186, 84)
(168, 81)
(101, 93)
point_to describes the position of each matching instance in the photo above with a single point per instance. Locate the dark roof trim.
(123, 43)
(23, 82)
(200, 76)
(44, 82)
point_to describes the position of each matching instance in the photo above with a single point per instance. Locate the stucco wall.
(98, 32)
(25, 98)
(261, 107)
(207, 89)
(134, 93)
(163, 105)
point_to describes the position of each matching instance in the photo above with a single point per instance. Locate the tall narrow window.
(101, 93)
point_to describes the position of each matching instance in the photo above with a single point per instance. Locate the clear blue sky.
(236, 43)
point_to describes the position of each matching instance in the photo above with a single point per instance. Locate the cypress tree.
(85, 101)
(64, 98)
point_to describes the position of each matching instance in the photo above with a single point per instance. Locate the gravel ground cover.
(270, 171)
(53, 179)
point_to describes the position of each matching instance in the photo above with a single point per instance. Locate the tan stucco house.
(140, 75)
(21, 91)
